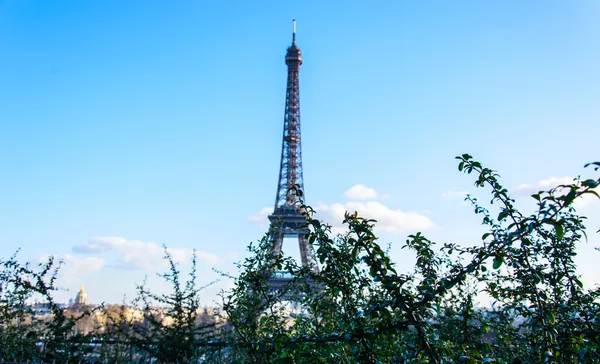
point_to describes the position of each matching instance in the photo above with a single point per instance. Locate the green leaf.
(498, 261)
(374, 270)
(503, 214)
(596, 164)
(590, 183)
(560, 231)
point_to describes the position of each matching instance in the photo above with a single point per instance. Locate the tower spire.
(294, 35)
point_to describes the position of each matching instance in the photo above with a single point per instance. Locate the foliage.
(23, 334)
(357, 308)
(172, 327)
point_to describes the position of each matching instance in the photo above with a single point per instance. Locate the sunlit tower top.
(294, 56)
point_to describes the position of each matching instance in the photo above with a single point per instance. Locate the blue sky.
(125, 125)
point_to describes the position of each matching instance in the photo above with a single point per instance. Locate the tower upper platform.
(293, 52)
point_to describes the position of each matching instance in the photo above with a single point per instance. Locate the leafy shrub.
(357, 308)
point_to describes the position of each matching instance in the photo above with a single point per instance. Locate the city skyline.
(127, 127)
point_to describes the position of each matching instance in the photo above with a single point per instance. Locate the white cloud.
(262, 217)
(389, 220)
(361, 192)
(75, 268)
(136, 254)
(547, 184)
(543, 185)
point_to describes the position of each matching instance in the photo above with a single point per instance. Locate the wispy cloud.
(388, 219)
(136, 254)
(75, 268)
(262, 217)
(552, 182)
(361, 192)
(543, 185)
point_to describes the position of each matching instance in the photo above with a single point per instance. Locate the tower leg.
(306, 252)
(277, 239)
(302, 244)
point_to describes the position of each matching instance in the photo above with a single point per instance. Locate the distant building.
(81, 298)
(40, 309)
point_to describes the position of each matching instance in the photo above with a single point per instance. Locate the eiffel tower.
(288, 218)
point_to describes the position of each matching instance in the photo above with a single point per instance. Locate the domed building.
(81, 298)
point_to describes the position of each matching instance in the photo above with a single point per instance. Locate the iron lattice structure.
(288, 218)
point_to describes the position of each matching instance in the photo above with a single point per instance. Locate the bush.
(357, 308)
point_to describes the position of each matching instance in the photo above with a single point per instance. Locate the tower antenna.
(294, 36)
